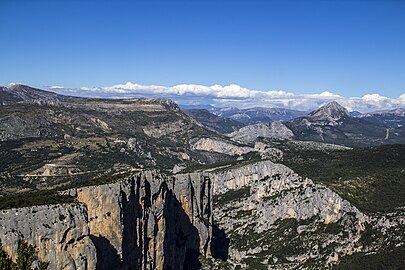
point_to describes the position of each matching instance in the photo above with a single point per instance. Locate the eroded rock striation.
(248, 215)
(60, 233)
(273, 217)
(219, 146)
(276, 130)
(149, 220)
(146, 221)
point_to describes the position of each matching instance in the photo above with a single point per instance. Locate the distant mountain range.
(257, 115)
(391, 118)
(143, 184)
(332, 123)
(214, 122)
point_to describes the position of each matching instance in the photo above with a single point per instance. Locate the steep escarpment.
(219, 146)
(266, 215)
(146, 221)
(149, 220)
(248, 215)
(60, 233)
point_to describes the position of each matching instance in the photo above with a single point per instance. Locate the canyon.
(140, 184)
(239, 215)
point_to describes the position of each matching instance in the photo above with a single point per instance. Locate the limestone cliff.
(263, 216)
(60, 233)
(149, 221)
(146, 221)
(219, 146)
(276, 130)
(273, 217)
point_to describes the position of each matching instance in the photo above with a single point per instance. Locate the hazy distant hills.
(332, 123)
(187, 176)
(214, 122)
(257, 115)
(391, 118)
(41, 114)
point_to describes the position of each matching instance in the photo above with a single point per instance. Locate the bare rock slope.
(276, 130)
(268, 217)
(249, 215)
(147, 221)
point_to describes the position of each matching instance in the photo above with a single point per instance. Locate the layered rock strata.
(275, 218)
(60, 233)
(146, 221)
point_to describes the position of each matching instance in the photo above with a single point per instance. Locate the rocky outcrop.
(264, 216)
(149, 221)
(160, 130)
(225, 179)
(276, 130)
(219, 146)
(270, 153)
(60, 233)
(276, 218)
(146, 221)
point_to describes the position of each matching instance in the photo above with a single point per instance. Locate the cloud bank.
(235, 96)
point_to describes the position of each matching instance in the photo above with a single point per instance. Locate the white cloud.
(374, 97)
(401, 99)
(91, 88)
(56, 87)
(14, 83)
(236, 96)
(327, 94)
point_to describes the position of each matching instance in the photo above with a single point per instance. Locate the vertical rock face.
(149, 221)
(146, 221)
(60, 233)
(240, 176)
(266, 216)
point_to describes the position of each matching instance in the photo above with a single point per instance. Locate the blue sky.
(350, 48)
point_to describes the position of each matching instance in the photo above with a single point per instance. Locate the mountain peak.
(331, 112)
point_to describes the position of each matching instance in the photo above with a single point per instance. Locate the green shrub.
(5, 261)
(31, 198)
(26, 256)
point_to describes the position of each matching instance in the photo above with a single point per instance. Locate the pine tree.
(42, 265)
(25, 256)
(5, 261)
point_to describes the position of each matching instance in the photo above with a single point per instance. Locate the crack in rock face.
(146, 221)
(249, 215)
